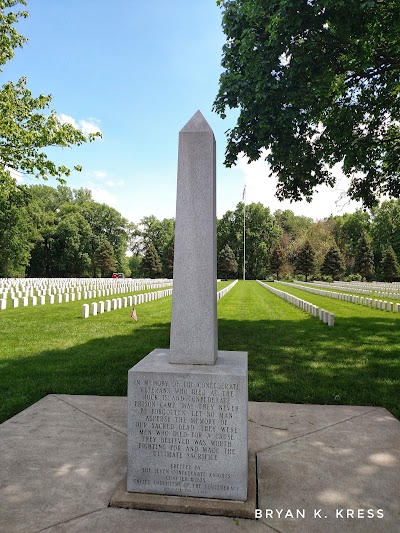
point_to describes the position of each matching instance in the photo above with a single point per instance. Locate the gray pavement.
(319, 469)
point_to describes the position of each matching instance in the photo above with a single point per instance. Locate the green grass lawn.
(293, 357)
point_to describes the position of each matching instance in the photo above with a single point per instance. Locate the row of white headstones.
(326, 316)
(127, 301)
(62, 291)
(387, 290)
(101, 307)
(369, 302)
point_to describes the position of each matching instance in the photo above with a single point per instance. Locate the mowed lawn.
(293, 357)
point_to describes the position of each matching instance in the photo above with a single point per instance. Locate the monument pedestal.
(187, 427)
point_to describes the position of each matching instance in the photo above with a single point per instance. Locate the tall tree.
(385, 228)
(105, 259)
(230, 231)
(17, 232)
(278, 258)
(305, 261)
(262, 233)
(168, 263)
(227, 264)
(320, 235)
(25, 131)
(159, 232)
(349, 229)
(101, 227)
(135, 265)
(364, 260)
(106, 223)
(71, 245)
(390, 265)
(316, 83)
(294, 230)
(151, 264)
(333, 264)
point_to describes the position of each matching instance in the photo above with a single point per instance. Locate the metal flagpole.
(244, 233)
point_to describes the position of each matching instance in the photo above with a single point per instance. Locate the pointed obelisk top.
(196, 124)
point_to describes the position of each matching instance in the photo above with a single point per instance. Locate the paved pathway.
(62, 458)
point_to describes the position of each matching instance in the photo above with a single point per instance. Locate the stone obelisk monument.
(187, 406)
(194, 303)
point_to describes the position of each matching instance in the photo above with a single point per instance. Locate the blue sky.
(138, 71)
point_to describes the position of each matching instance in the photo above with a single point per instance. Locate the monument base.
(189, 505)
(187, 427)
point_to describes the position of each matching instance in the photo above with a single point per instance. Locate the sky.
(138, 71)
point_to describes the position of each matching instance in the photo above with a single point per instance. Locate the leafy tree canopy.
(26, 129)
(385, 227)
(316, 83)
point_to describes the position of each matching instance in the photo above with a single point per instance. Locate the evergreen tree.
(390, 265)
(227, 264)
(364, 261)
(333, 264)
(105, 259)
(305, 261)
(278, 258)
(169, 260)
(151, 264)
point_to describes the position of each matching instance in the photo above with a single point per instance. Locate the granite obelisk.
(187, 406)
(194, 335)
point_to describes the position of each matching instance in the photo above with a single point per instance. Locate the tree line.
(63, 232)
(364, 245)
(60, 232)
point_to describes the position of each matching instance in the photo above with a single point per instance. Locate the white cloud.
(326, 201)
(67, 119)
(84, 125)
(113, 184)
(89, 127)
(103, 196)
(99, 174)
(100, 189)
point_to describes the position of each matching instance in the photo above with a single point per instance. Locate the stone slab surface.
(344, 477)
(52, 456)
(187, 427)
(61, 459)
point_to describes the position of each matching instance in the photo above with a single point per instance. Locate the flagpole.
(244, 234)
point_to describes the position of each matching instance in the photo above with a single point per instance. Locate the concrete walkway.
(62, 458)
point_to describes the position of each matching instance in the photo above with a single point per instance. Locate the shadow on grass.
(355, 363)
